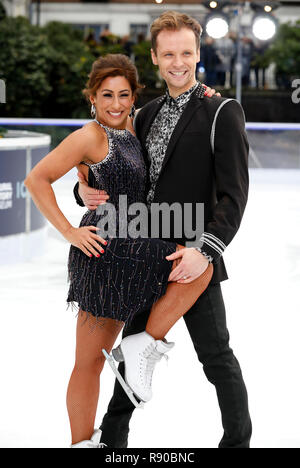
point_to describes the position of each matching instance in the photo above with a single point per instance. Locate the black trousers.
(206, 323)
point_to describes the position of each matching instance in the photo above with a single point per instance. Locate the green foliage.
(285, 50)
(147, 71)
(109, 49)
(110, 44)
(260, 60)
(2, 11)
(2, 132)
(24, 65)
(46, 68)
(70, 64)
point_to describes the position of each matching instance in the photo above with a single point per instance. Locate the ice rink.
(37, 337)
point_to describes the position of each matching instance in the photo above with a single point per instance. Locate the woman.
(132, 274)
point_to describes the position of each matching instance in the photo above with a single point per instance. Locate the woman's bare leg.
(178, 299)
(84, 385)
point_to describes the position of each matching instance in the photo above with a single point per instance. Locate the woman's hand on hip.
(86, 240)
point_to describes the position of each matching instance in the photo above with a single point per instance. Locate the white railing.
(79, 122)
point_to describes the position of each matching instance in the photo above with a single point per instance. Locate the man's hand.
(210, 92)
(192, 265)
(91, 197)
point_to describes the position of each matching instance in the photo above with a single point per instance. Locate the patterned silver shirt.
(161, 131)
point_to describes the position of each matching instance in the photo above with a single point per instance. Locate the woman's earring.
(132, 112)
(93, 111)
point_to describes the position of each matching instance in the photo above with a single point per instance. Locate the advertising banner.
(13, 207)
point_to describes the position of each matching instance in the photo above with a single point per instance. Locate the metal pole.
(239, 65)
(30, 11)
(38, 12)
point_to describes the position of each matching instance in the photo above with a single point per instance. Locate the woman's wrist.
(65, 232)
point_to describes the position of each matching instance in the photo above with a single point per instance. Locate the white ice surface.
(37, 337)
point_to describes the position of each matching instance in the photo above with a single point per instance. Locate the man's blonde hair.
(174, 21)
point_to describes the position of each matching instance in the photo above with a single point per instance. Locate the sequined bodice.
(122, 171)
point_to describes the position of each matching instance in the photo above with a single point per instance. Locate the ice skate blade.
(122, 382)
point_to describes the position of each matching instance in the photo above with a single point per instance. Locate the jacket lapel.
(192, 106)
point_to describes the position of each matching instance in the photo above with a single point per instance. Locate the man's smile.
(178, 73)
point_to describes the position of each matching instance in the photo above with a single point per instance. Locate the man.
(188, 162)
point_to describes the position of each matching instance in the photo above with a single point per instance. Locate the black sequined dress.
(132, 273)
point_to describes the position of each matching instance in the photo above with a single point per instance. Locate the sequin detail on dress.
(131, 274)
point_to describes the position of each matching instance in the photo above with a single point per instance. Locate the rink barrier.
(19, 152)
(22, 226)
(80, 122)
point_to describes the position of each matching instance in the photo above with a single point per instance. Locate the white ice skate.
(140, 353)
(94, 441)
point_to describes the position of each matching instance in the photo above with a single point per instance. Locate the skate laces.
(151, 357)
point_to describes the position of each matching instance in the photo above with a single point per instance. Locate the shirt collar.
(183, 98)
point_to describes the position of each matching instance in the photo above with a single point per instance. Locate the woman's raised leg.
(83, 390)
(142, 351)
(178, 299)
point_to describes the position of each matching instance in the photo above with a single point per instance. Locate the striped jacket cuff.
(212, 245)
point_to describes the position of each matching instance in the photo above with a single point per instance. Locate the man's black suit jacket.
(193, 173)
